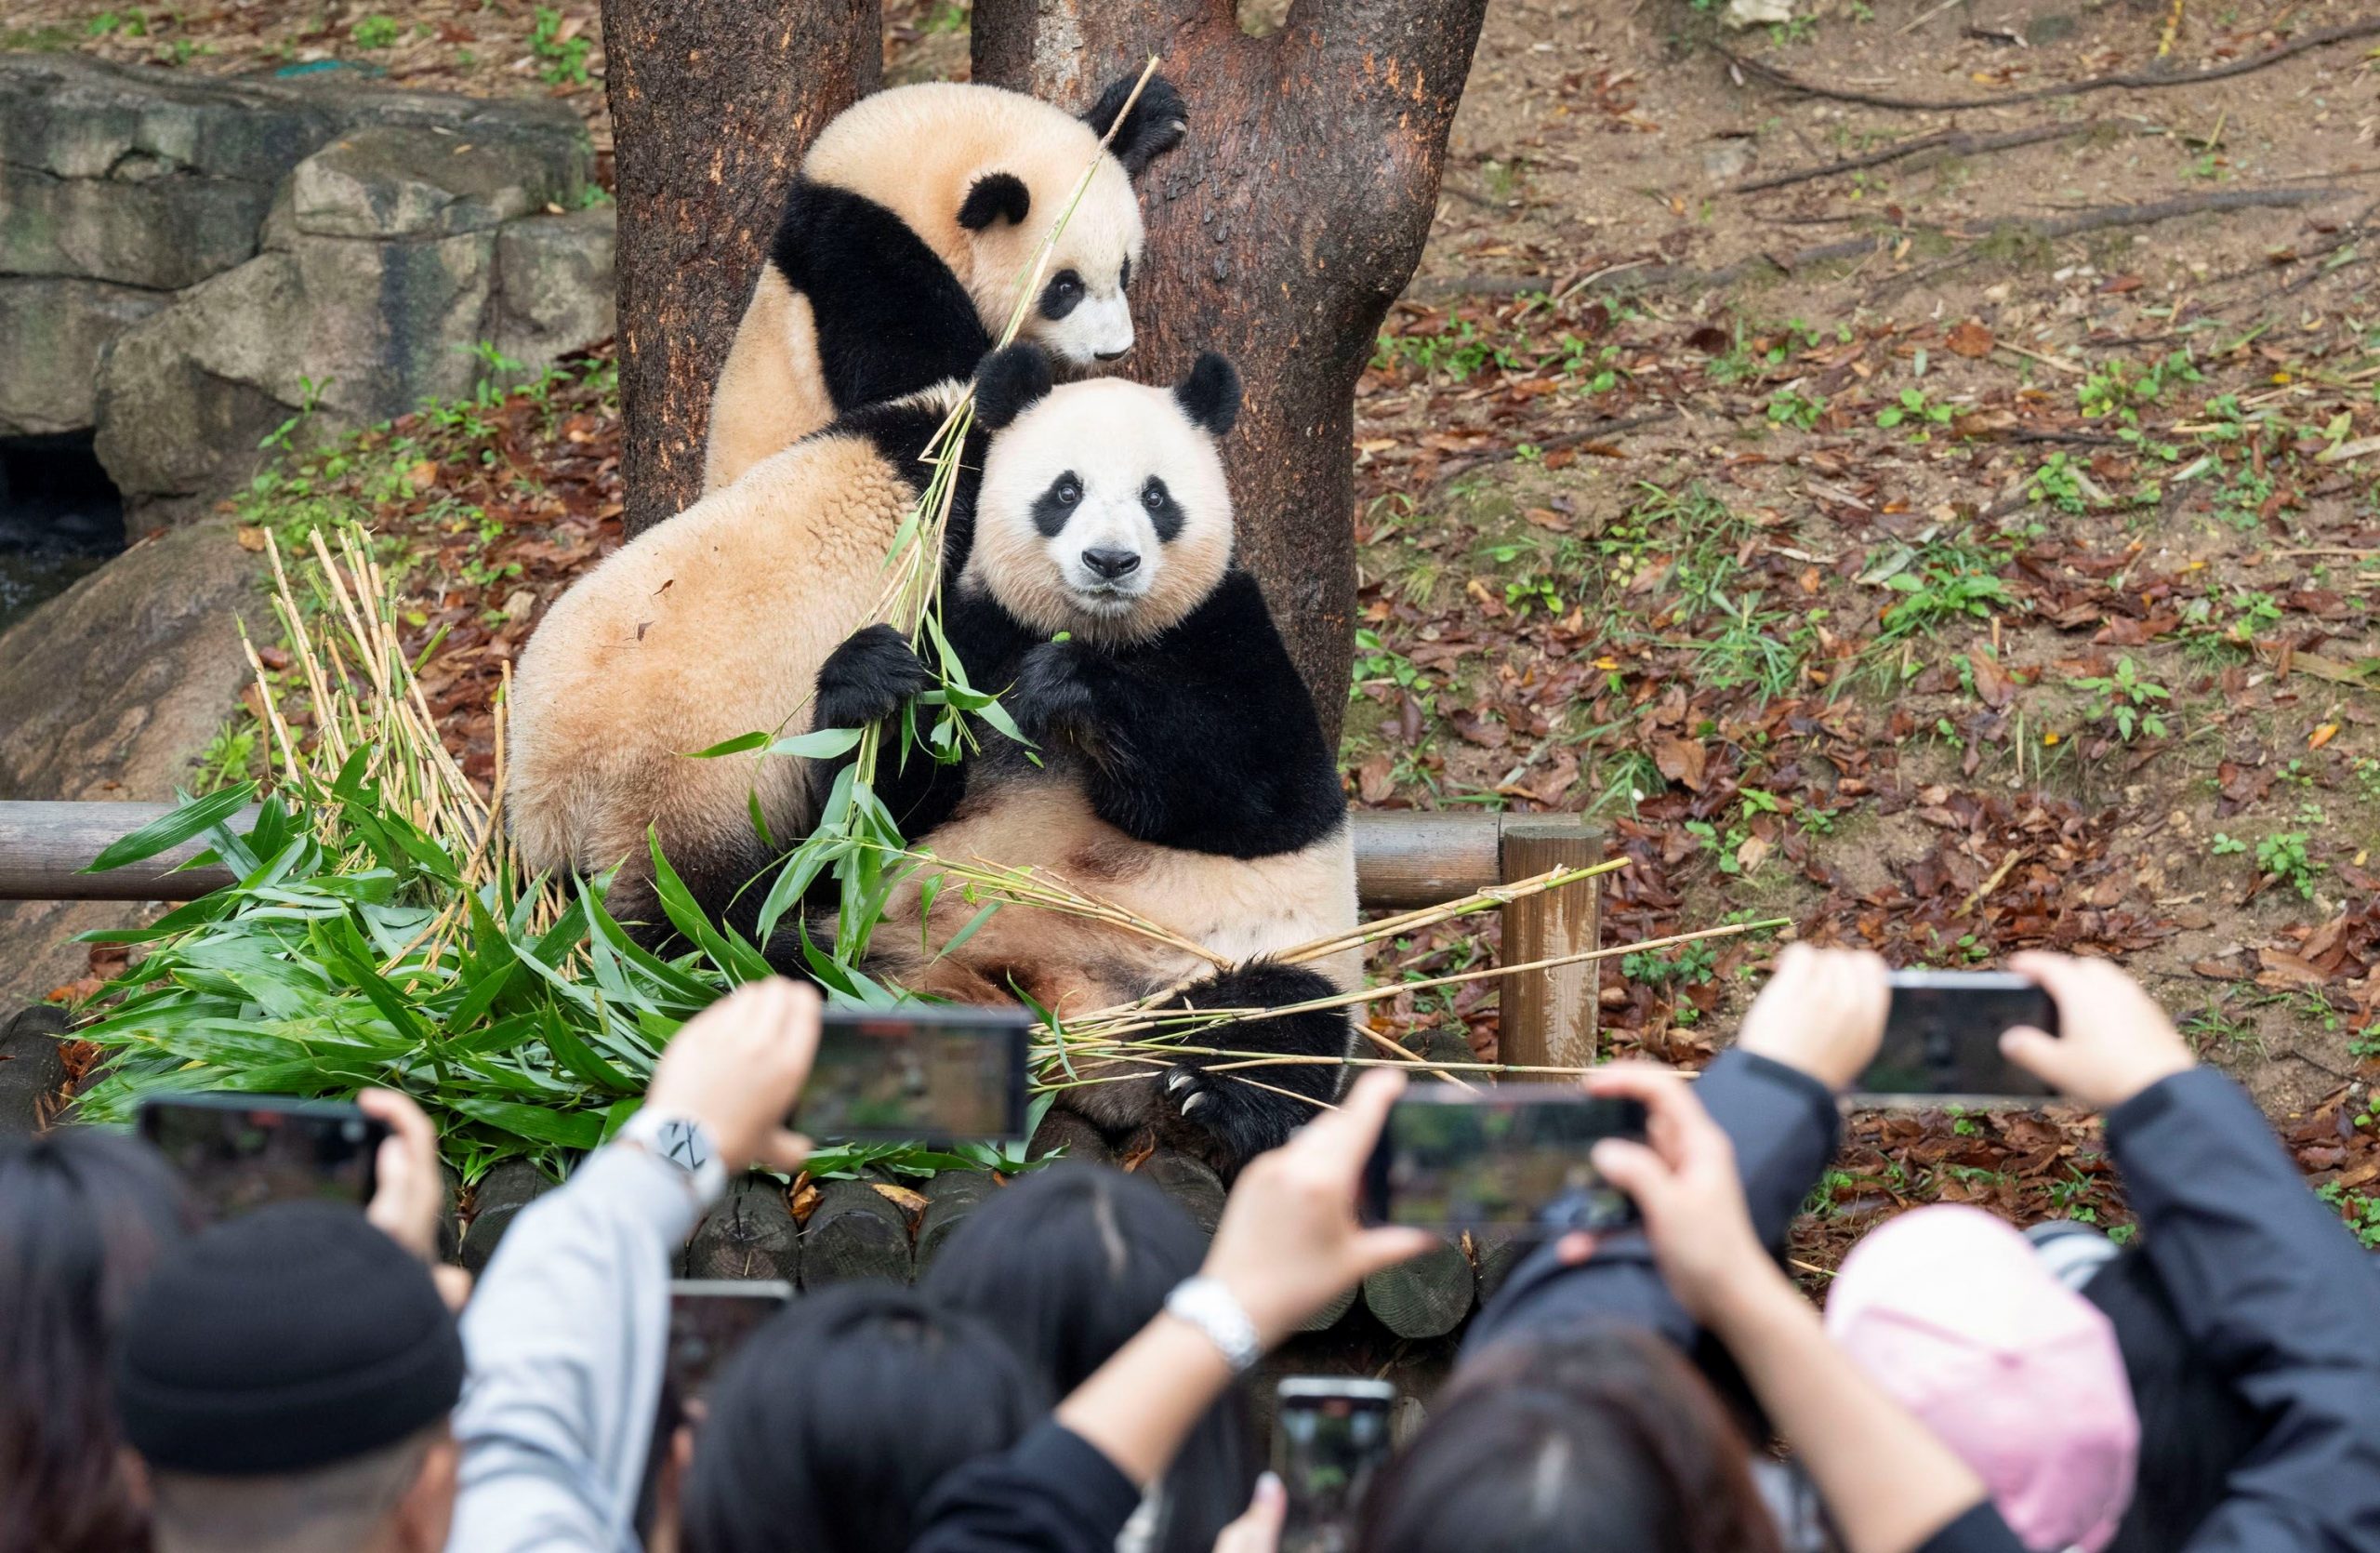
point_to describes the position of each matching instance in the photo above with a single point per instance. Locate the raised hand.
(1822, 1012)
(2113, 1040)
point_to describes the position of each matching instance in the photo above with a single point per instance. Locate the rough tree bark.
(713, 103)
(1279, 233)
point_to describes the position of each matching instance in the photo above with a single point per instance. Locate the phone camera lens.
(351, 1132)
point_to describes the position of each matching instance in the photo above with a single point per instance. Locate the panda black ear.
(1210, 396)
(1155, 125)
(995, 196)
(1008, 383)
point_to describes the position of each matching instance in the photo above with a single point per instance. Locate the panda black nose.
(1112, 355)
(1112, 563)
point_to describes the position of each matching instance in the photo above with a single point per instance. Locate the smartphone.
(709, 1318)
(1330, 1434)
(1942, 1035)
(241, 1151)
(1455, 1159)
(926, 1072)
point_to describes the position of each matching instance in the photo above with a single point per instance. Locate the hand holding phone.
(2114, 1040)
(1330, 1434)
(1942, 1035)
(1454, 1159)
(243, 1151)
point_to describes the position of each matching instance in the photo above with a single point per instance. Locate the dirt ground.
(1967, 548)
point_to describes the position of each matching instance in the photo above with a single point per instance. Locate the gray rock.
(53, 329)
(186, 262)
(392, 181)
(553, 280)
(109, 691)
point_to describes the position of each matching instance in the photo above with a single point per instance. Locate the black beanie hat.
(291, 1337)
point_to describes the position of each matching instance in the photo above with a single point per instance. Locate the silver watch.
(1216, 1311)
(681, 1141)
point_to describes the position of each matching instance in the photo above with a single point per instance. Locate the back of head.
(282, 1374)
(839, 1416)
(84, 1216)
(1948, 1310)
(1608, 1440)
(1068, 1264)
(2194, 1428)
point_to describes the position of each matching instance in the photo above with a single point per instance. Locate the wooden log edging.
(1403, 858)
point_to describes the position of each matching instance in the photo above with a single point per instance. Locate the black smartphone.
(1455, 1159)
(1942, 1035)
(1330, 1433)
(241, 1151)
(928, 1073)
(709, 1318)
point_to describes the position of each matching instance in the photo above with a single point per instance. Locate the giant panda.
(1181, 770)
(903, 238)
(703, 627)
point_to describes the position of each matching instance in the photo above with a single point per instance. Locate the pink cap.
(1948, 1310)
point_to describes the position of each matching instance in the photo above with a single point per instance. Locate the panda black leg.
(869, 678)
(1241, 1119)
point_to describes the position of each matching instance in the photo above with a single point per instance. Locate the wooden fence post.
(1549, 1017)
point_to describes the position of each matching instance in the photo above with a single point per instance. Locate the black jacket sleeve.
(1784, 1126)
(2272, 1290)
(1049, 1492)
(1981, 1529)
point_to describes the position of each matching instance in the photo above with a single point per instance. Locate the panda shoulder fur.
(896, 258)
(1182, 772)
(707, 627)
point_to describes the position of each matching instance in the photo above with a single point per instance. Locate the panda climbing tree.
(1286, 267)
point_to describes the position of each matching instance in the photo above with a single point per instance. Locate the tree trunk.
(1279, 233)
(713, 103)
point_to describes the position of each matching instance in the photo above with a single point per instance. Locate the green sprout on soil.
(2125, 699)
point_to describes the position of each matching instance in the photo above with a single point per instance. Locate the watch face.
(681, 1142)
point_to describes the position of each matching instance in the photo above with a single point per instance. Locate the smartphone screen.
(1329, 1435)
(927, 1073)
(241, 1151)
(1942, 1035)
(1454, 1159)
(709, 1320)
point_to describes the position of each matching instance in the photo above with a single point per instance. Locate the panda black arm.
(890, 317)
(1203, 739)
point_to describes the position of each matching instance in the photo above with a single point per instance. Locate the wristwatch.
(684, 1142)
(1216, 1311)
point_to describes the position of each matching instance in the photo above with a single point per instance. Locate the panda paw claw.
(1242, 1121)
(868, 679)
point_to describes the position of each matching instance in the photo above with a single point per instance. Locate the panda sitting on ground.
(905, 233)
(1182, 774)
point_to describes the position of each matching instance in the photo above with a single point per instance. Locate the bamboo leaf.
(169, 830)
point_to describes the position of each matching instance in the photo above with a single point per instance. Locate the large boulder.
(110, 691)
(188, 262)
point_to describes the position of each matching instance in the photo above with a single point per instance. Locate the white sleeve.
(564, 1337)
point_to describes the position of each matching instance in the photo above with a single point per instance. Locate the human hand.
(1288, 1242)
(1682, 1180)
(408, 1194)
(737, 1067)
(1822, 1013)
(1259, 1530)
(2113, 1040)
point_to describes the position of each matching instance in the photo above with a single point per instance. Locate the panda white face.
(1103, 511)
(1081, 313)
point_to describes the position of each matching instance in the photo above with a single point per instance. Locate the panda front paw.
(868, 679)
(1050, 695)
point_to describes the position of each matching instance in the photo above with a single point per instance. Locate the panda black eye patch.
(1054, 506)
(1058, 298)
(1165, 513)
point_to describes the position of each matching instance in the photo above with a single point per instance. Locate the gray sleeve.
(564, 1337)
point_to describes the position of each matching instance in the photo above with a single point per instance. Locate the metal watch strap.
(1215, 1311)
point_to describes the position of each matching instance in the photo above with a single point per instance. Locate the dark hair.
(2194, 1426)
(1068, 1264)
(84, 1216)
(837, 1418)
(1608, 1441)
